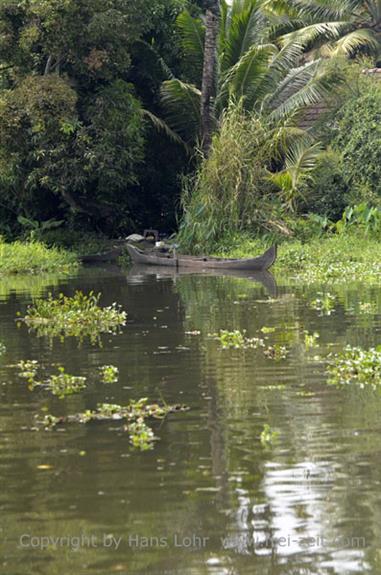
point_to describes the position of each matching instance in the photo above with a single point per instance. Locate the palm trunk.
(208, 90)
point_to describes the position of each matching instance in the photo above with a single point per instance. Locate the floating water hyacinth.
(109, 373)
(356, 366)
(325, 303)
(268, 435)
(134, 416)
(310, 339)
(276, 352)
(237, 340)
(78, 316)
(61, 384)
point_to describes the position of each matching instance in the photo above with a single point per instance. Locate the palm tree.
(337, 27)
(271, 80)
(209, 74)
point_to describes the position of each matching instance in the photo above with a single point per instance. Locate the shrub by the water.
(357, 138)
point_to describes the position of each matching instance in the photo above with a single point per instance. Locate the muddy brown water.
(211, 498)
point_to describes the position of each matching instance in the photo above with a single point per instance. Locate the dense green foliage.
(254, 173)
(34, 258)
(251, 66)
(73, 138)
(100, 119)
(358, 138)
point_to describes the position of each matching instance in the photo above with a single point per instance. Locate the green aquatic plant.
(34, 258)
(109, 373)
(268, 435)
(61, 384)
(367, 308)
(64, 384)
(28, 370)
(331, 259)
(134, 415)
(267, 330)
(311, 339)
(325, 303)
(276, 352)
(237, 340)
(356, 366)
(3, 349)
(141, 435)
(78, 316)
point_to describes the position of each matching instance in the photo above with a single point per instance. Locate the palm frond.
(243, 78)
(318, 33)
(192, 33)
(181, 103)
(313, 11)
(303, 87)
(146, 51)
(242, 26)
(279, 67)
(355, 41)
(301, 159)
(162, 126)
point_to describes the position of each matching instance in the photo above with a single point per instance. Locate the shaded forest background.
(75, 145)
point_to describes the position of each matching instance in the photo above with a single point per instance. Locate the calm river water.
(211, 498)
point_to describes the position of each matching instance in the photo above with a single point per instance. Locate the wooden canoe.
(260, 263)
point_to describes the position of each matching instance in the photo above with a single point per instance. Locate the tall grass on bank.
(227, 192)
(250, 182)
(33, 258)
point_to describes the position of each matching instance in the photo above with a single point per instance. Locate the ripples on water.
(210, 498)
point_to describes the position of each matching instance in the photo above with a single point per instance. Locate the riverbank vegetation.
(34, 258)
(208, 118)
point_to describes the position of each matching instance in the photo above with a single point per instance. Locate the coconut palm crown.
(335, 27)
(270, 78)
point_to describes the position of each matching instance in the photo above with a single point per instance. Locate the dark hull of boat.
(260, 263)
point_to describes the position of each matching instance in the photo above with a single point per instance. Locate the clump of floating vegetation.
(276, 352)
(3, 349)
(109, 373)
(268, 435)
(78, 316)
(325, 303)
(237, 340)
(356, 366)
(134, 415)
(28, 370)
(311, 339)
(265, 329)
(61, 384)
(364, 309)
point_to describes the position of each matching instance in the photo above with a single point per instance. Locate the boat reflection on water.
(138, 274)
